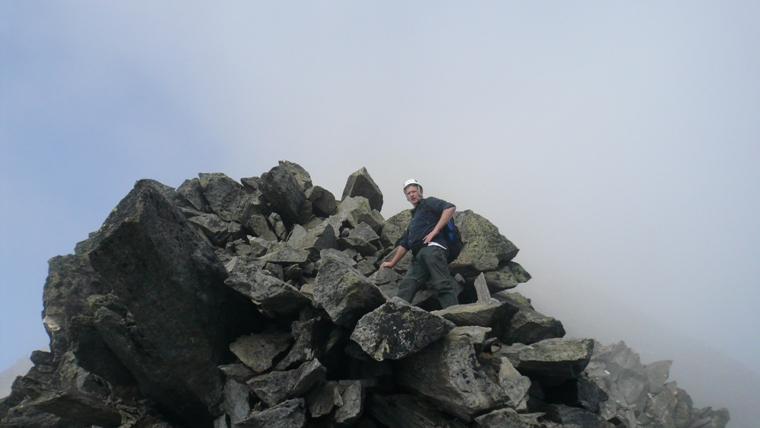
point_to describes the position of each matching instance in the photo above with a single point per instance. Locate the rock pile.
(259, 303)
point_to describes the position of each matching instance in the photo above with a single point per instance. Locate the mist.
(615, 144)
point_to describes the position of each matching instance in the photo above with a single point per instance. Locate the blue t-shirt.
(425, 216)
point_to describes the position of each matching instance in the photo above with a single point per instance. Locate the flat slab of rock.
(270, 295)
(552, 360)
(448, 372)
(289, 414)
(408, 411)
(508, 418)
(525, 325)
(276, 386)
(344, 292)
(258, 350)
(396, 330)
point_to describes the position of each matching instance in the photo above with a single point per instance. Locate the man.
(428, 247)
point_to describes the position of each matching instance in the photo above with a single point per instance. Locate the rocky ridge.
(260, 303)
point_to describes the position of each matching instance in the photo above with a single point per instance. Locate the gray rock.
(171, 194)
(286, 254)
(258, 350)
(310, 336)
(303, 178)
(361, 184)
(324, 398)
(278, 226)
(282, 188)
(525, 325)
(480, 314)
(395, 227)
(238, 372)
(408, 411)
(657, 373)
(357, 210)
(259, 225)
(550, 360)
(227, 198)
(508, 418)
(344, 292)
(172, 283)
(192, 191)
(449, 372)
(484, 247)
(236, 400)
(387, 281)
(341, 256)
(396, 330)
(323, 202)
(352, 397)
(289, 414)
(269, 294)
(362, 238)
(274, 387)
(218, 231)
(500, 279)
(319, 238)
(519, 272)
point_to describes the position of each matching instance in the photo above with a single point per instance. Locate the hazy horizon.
(617, 145)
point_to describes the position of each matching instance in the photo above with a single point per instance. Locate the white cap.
(411, 181)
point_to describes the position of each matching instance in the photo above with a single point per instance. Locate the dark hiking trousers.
(429, 264)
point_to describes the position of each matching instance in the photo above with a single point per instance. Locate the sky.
(617, 144)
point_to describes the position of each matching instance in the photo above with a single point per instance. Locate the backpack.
(453, 240)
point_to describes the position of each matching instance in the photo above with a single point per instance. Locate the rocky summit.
(260, 303)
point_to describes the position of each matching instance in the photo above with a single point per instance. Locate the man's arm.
(447, 214)
(400, 253)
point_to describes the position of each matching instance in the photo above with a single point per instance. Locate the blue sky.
(617, 144)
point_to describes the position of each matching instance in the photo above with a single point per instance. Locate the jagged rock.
(322, 201)
(357, 210)
(171, 194)
(449, 373)
(260, 227)
(525, 325)
(408, 411)
(192, 191)
(550, 360)
(579, 392)
(303, 178)
(387, 281)
(363, 239)
(324, 398)
(396, 330)
(218, 231)
(258, 350)
(480, 314)
(657, 373)
(276, 386)
(519, 272)
(500, 279)
(310, 336)
(508, 418)
(395, 227)
(286, 255)
(236, 404)
(227, 198)
(172, 283)
(282, 188)
(271, 295)
(238, 372)
(71, 279)
(289, 414)
(342, 256)
(573, 416)
(352, 397)
(361, 184)
(484, 247)
(319, 238)
(344, 292)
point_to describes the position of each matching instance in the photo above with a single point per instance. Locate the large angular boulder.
(173, 286)
(272, 296)
(322, 201)
(258, 350)
(344, 292)
(227, 198)
(484, 246)
(192, 191)
(276, 386)
(522, 324)
(357, 209)
(395, 227)
(449, 373)
(361, 184)
(552, 360)
(282, 188)
(218, 231)
(408, 411)
(318, 238)
(396, 330)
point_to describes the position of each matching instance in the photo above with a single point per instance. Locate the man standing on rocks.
(428, 247)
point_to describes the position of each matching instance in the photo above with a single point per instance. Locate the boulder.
(449, 373)
(324, 398)
(259, 225)
(484, 247)
(309, 336)
(525, 325)
(285, 254)
(282, 188)
(303, 178)
(258, 350)
(396, 330)
(344, 292)
(361, 184)
(395, 227)
(274, 387)
(319, 238)
(192, 191)
(352, 403)
(387, 281)
(480, 314)
(173, 286)
(508, 418)
(236, 401)
(323, 202)
(550, 360)
(289, 414)
(227, 199)
(218, 231)
(272, 296)
(408, 411)
(355, 210)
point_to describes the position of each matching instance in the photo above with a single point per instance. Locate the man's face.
(412, 194)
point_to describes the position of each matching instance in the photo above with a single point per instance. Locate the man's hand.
(429, 237)
(386, 265)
